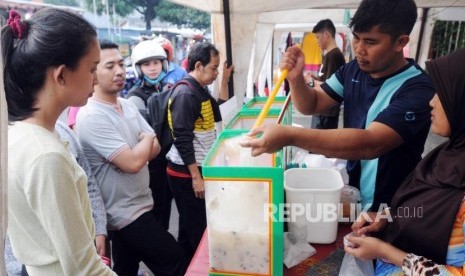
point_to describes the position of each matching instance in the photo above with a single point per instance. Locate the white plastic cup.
(318, 192)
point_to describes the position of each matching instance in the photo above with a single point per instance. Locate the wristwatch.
(311, 83)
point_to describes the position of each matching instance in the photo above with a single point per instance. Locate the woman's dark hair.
(201, 51)
(394, 17)
(53, 37)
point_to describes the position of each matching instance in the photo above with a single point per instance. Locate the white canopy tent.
(260, 6)
(253, 26)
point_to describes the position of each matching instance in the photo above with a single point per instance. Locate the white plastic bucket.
(313, 195)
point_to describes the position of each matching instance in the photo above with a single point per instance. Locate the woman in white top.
(50, 62)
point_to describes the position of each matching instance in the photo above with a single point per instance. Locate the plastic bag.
(353, 266)
(350, 194)
(300, 158)
(296, 247)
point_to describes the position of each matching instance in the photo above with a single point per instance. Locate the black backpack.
(157, 117)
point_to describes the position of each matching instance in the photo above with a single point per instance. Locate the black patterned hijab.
(435, 189)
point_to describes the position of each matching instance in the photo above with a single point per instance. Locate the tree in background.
(151, 9)
(182, 16)
(72, 3)
(448, 36)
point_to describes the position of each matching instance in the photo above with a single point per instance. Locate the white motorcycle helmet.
(147, 50)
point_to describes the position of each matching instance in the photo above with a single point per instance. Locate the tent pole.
(424, 18)
(3, 170)
(271, 84)
(227, 32)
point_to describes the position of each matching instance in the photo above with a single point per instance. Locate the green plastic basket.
(259, 102)
(245, 119)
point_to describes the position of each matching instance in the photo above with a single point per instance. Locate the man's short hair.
(325, 25)
(201, 51)
(107, 44)
(394, 17)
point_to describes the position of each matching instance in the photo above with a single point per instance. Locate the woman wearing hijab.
(430, 241)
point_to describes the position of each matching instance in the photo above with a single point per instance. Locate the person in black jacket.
(192, 113)
(150, 63)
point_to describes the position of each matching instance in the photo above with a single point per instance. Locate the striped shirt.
(400, 101)
(190, 116)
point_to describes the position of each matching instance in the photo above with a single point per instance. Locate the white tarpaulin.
(253, 26)
(259, 6)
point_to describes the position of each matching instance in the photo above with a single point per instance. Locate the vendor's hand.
(367, 222)
(293, 60)
(274, 138)
(100, 244)
(198, 186)
(365, 248)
